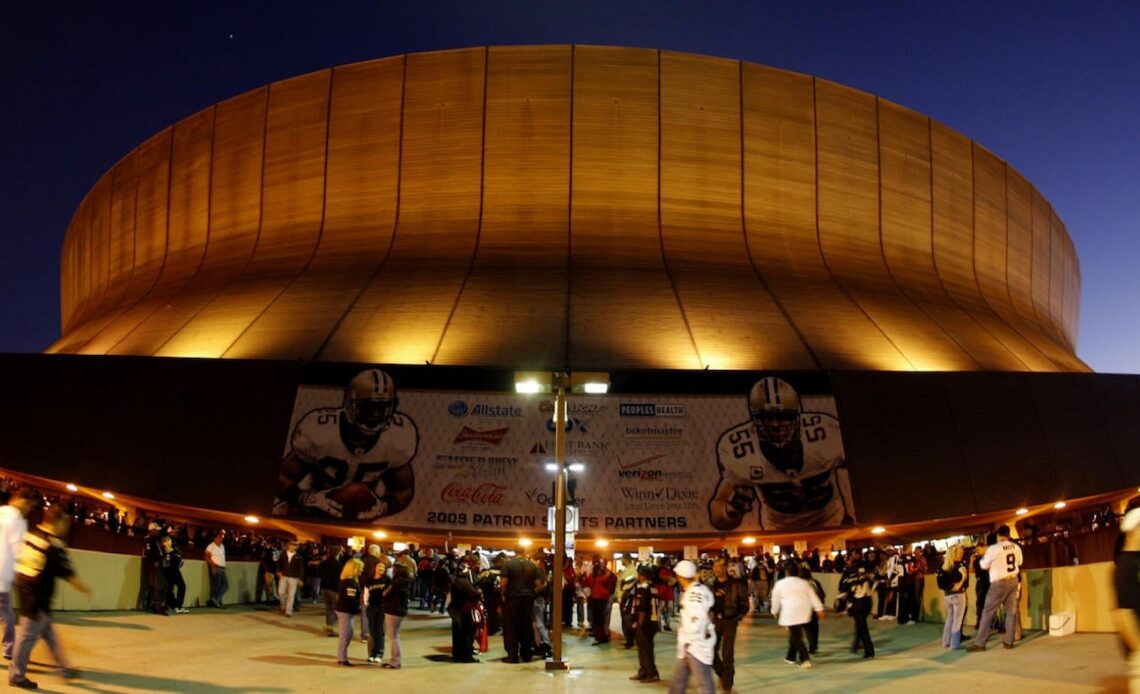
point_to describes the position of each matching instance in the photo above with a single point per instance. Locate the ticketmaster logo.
(653, 432)
(651, 409)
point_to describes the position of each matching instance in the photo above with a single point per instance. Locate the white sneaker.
(806, 664)
(789, 662)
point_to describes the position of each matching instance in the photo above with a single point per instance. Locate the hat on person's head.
(685, 569)
(647, 570)
(1131, 520)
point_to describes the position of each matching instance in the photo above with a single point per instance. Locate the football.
(354, 499)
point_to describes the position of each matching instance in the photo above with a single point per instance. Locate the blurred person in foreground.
(1127, 581)
(696, 635)
(13, 527)
(43, 559)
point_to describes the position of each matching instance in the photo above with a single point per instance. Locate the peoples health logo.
(460, 408)
(651, 409)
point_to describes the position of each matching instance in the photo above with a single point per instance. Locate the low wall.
(115, 579)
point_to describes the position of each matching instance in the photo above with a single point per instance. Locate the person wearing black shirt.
(465, 599)
(330, 580)
(290, 571)
(812, 627)
(518, 583)
(377, 582)
(175, 584)
(731, 604)
(395, 609)
(858, 582)
(954, 579)
(347, 606)
(1127, 580)
(645, 624)
(42, 560)
(981, 580)
(152, 557)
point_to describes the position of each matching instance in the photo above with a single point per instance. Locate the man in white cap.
(1127, 581)
(696, 635)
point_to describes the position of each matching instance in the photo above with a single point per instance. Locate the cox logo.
(571, 424)
(457, 408)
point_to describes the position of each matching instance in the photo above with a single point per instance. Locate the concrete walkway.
(244, 649)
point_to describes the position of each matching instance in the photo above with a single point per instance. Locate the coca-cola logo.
(486, 494)
(491, 436)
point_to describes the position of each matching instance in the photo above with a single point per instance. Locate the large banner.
(768, 460)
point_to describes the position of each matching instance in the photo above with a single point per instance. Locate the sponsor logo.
(473, 460)
(489, 436)
(538, 449)
(655, 432)
(651, 409)
(663, 494)
(572, 424)
(547, 407)
(462, 408)
(486, 494)
(573, 445)
(547, 499)
(631, 464)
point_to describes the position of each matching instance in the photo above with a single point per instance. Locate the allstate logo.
(457, 408)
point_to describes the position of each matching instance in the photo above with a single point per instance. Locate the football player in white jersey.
(791, 461)
(365, 443)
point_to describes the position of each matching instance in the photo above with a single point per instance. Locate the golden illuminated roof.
(570, 206)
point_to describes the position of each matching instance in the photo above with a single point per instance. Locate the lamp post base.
(553, 665)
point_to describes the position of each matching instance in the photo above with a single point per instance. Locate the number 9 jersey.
(807, 489)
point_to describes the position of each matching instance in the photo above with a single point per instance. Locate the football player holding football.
(362, 450)
(791, 461)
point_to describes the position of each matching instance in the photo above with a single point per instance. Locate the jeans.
(330, 608)
(287, 593)
(1001, 593)
(219, 584)
(955, 613)
(30, 631)
(646, 659)
(345, 621)
(9, 623)
(392, 635)
(690, 664)
(724, 657)
(542, 634)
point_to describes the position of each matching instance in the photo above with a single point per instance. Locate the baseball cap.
(1131, 520)
(685, 569)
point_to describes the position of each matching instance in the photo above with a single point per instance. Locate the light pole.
(559, 382)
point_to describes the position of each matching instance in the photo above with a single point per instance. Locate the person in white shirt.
(13, 525)
(793, 602)
(1003, 562)
(216, 560)
(696, 635)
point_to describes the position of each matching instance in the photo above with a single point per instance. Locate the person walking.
(813, 626)
(1003, 562)
(696, 635)
(644, 608)
(465, 599)
(13, 526)
(215, 556)
(1126, 580)
(858, 582)
(395, 609)
(954, 579)
(42, 560)
(730, 596)
(347, 606)
(665, 582)
(330, 581)
(793, 602)
(290, 571)
(602, 584)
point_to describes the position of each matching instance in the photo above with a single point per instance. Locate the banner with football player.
(769, 460)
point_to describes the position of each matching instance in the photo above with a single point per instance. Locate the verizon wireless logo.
(491, 436)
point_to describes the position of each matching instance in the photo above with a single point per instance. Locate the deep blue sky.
(1051, 87)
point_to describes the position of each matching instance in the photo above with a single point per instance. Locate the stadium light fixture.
(552, 467)
(108, 495)
(72, 488)
(749, 541)
(254, 520)
(379, 534)
(878, 530)
(575, 467)
(1022, 511)
(527, 387)
(1059, 505)
(596, 388)
(525, 542)
(601, 543)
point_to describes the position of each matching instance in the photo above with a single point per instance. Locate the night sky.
(1051, 87)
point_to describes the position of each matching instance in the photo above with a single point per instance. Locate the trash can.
(1062, 623)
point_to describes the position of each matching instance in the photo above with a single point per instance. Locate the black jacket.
(294, 568)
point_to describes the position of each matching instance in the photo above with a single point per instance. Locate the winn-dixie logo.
(486, 494)
(491, 436)
(462, 408)
(651, 409)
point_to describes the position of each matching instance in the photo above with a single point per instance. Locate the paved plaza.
(247, 649)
